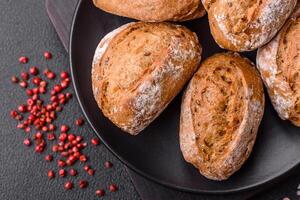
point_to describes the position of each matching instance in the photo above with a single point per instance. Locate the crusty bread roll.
(154, 10)
(139, 68)
(279, 65)
(245, 25)
(220, 114)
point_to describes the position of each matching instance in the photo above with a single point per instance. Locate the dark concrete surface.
(25, 29)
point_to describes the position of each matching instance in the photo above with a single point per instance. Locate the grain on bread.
(245, 25)
(154, 10)
(139, 68)
(220, 115)
(279, 65)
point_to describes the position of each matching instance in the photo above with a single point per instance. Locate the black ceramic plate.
(155, 152)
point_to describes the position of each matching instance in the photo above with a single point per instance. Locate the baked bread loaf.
(245, 25)
(279, 66)
(220, 115)
(139, 68)
(154, 10)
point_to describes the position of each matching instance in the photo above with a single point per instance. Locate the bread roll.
(220, 115)
(245, 25)
(139, 68)
(279, 65)
(154, 10)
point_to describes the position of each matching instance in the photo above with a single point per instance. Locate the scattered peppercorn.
(82, 184)
(73, 172)
(27, 142)
(68, 185)
(91, 172)
(51, 174)
(108, 164)
(113, 188)
(36, 115)
(49, 158)
(33, 71)
(64, 75)
(64, 128)
(83, 158)
(23, 84)
(100, 192)
(61, 163)
(14, 79)
(51, 75)
(62, 173)
(47, 55)
(86, 167)
(23, 60)
(50, 136)
(95, 141)
(79, 121)
(25, 76)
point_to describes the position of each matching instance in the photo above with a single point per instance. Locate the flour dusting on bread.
(101, 49)
(279, 88)
(246, 25)
(103, 45)
(269, 20)
(279, 65)
(148, 101)
(133, 86)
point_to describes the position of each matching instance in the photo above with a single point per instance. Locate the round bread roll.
(154, 10)
(139, 68)
(245, 25)
(279, 66)
(220, 115)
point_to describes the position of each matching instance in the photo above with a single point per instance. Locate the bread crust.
(139, 68)
(279, 66)
(245, 25)
(218, 141)
(154, 10)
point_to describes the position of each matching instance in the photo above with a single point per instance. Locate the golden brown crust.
(245, 25)
(139, 68)
(154, 10)
(279, 65)
(220, 115)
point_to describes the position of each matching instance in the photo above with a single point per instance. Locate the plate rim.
(260, 185)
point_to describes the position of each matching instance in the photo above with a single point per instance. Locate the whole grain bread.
(220, 115)
(139, 68)
(245, 25)
(154, 10)
(279, 65)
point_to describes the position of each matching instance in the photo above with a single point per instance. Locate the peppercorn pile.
(37, 117)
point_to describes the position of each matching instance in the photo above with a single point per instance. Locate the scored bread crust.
(236, 145)
(154, 10)
(245, 25)
(281, 79)
(139, 68)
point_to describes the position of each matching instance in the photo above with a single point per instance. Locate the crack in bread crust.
(227, 94)
(142, 68)
(217, 107)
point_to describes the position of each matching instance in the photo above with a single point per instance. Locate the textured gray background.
(26, 29)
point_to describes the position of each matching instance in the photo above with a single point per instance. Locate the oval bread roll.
(220, 115)
(154, 10)
(279, 65)
(139, 68)
(245, 25)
